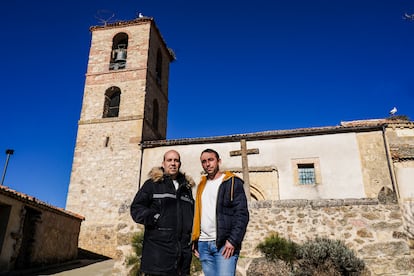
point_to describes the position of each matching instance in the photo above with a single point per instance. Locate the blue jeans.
(213, 263)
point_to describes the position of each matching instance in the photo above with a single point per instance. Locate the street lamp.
(8, 153)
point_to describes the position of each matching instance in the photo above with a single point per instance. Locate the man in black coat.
(165, 206)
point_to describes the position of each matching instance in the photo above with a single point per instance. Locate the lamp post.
(8, 153)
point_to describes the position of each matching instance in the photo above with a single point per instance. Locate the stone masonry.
(374, 231)
(106, 163)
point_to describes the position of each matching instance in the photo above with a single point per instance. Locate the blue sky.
(242, 66)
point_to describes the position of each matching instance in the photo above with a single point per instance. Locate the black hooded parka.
(167, 215)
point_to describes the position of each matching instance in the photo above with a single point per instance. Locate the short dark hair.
(211, 151)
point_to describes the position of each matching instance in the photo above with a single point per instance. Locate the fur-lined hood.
(157, 174)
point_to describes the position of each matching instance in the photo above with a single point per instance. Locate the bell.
(120, 55)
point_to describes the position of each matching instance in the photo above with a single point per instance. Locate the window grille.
(306, 174)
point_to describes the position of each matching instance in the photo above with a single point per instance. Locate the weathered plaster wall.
(404, 172)
(338, 156)
(13, 226)
(374, 163)
(55, 237)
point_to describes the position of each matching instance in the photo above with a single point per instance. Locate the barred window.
(306, 174)
(306, 171)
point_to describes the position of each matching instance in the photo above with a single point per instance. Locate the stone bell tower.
(125, 102)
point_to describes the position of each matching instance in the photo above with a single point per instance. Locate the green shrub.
(320, 256)
(135, 259)
(275, 247)
(315, 254)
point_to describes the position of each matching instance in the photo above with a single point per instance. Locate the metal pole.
(8, 152)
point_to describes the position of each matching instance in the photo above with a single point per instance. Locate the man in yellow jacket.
(220, 218)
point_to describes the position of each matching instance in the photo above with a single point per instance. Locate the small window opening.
(106, 141)
(306, 173)
(111, 104)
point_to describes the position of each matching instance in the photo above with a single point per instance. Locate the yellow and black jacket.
(232, 214)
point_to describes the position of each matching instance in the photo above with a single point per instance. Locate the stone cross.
(245, 166)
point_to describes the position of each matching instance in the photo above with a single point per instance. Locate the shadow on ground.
(87, 263)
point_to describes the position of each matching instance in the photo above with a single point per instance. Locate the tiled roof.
(30, 200)
(265, 135)
(344, 127)
(371, 122)
(123, 23)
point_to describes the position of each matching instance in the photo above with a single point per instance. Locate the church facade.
(122, 135)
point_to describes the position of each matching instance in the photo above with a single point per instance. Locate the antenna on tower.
(104, 16)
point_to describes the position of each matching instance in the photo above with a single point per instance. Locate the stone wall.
(374, 231)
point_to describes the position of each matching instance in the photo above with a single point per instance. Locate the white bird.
(140, 15)
(393, 111)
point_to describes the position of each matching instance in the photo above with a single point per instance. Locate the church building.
(122, 135)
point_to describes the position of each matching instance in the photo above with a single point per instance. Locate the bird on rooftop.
(393, 111)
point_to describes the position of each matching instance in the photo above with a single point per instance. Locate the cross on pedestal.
(245, 166)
